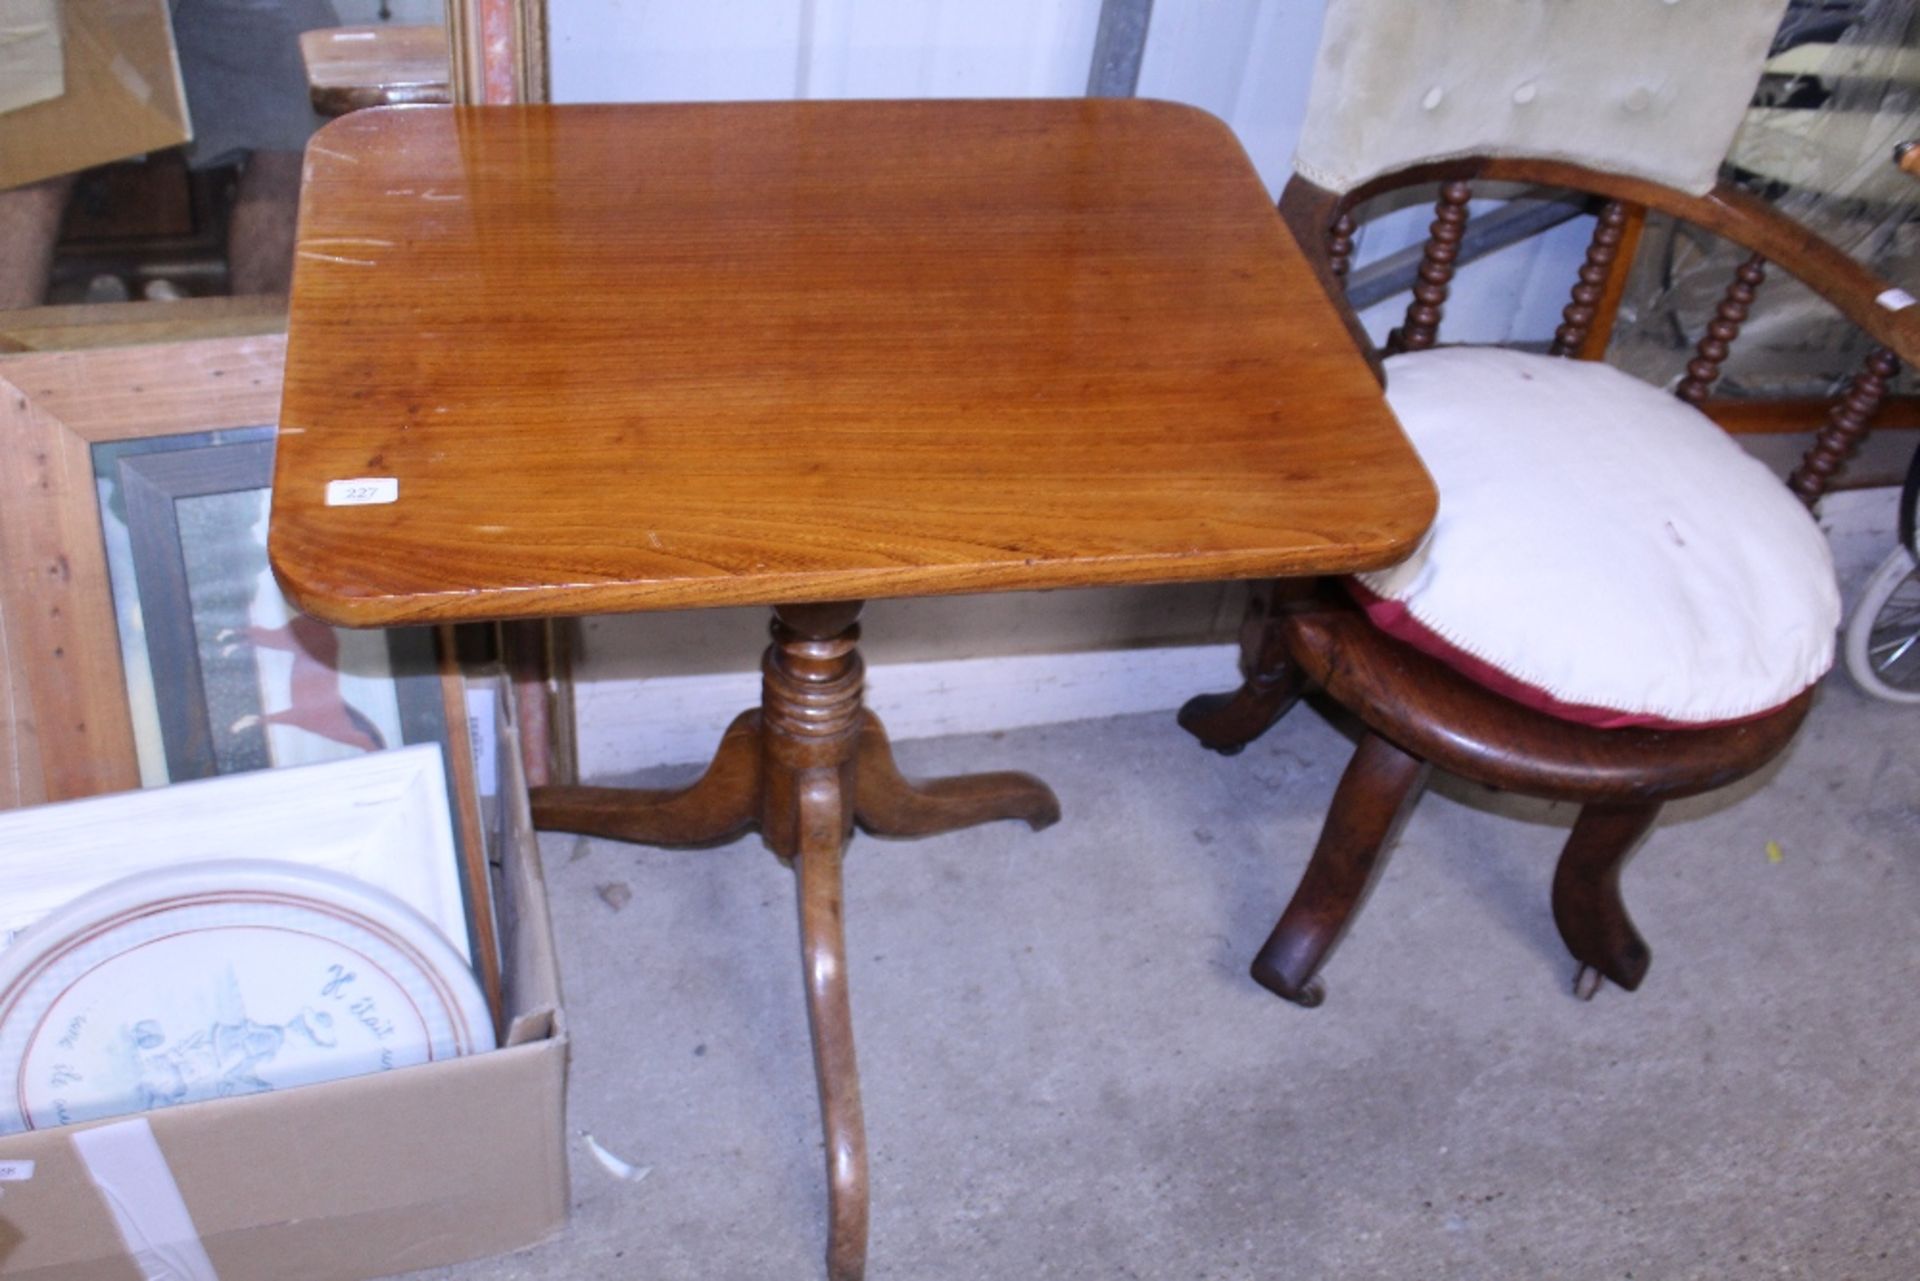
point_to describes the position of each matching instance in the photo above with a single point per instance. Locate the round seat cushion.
(1603, 552)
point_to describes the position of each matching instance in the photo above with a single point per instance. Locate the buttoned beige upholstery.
(1649, 88)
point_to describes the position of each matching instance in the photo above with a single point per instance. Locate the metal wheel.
(1882, 641)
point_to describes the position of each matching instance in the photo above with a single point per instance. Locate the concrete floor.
(1069, 1075)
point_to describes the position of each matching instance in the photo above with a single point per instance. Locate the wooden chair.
(1416, 710)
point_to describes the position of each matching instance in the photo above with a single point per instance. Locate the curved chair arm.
(1744, 219)
(1309, 212)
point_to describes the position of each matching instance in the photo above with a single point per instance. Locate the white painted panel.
(717, 50)
(675, 50)
(951, 48)
(1198, 53)
(1246, 61)
(1548, 285)
(629, 725)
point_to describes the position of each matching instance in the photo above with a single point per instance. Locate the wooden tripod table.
(571, 360)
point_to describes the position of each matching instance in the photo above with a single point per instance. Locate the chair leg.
(1380, 782)
(1226, 723)
(1586, 896)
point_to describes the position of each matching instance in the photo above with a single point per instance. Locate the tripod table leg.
(811, 719)
(722, 804)
(823, 953)
(887, 803)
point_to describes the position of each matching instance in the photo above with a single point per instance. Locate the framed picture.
(222, 676)
(142, 640)
(65, 727)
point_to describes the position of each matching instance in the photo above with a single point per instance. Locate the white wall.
(709, 50)
(1246, 61)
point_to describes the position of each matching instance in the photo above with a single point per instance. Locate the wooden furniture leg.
(887, 803)
(811, 721)
(823, 955)
(810, 708)
(1587, 908)
(1379, 783)
(802, 768)
(722, 805)
(1226, 723)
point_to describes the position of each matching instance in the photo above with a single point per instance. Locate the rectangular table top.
(596, 359)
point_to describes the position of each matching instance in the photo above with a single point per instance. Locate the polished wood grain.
(888, 803)
(722, 805)
(1587, 907)
(1379, 784)
(641, 357)
(1717, 343)
(1792, 415)
(1846, 426)
(1598, 271)
(1607, 308)
(1270, 685)
(1417, 713)
(1340, 245)
(1435, 277)
(1466, 729)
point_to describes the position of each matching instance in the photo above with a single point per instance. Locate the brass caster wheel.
(1307, 995)
(1310, 995)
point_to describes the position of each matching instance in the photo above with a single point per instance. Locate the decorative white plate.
(382, 818)
(218, 979)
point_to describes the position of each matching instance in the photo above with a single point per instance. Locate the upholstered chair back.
(1647, 88)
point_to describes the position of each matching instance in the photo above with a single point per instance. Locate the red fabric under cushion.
(1393, 618)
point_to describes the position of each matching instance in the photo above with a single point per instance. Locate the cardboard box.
(121, 94)
(352, 1179)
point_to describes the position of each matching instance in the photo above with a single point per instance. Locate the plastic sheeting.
(1841, 89)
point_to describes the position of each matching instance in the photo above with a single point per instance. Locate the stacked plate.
(223, 978)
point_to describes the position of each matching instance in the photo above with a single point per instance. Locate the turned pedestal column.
(805, 767)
